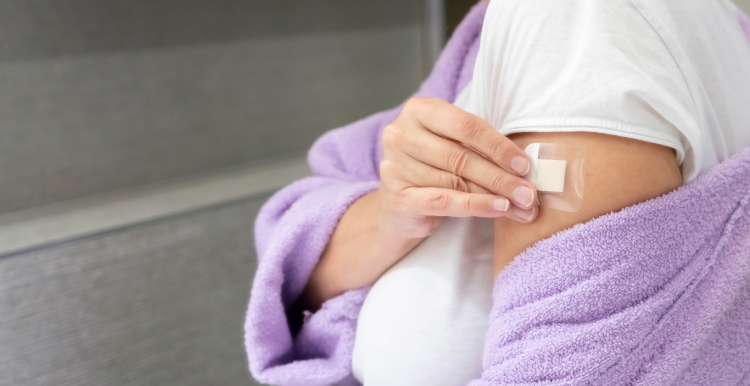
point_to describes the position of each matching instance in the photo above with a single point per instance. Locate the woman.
(656, 94)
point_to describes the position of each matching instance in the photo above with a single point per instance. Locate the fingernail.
(501, 204)
(524, 196)
(526, 214)
(520, 165)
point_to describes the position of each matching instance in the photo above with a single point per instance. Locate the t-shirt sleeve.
(580, 65)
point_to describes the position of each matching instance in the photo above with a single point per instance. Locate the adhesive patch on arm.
(557, 173)
(550, 175)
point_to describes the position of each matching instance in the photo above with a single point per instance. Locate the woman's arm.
(358, 251)
(619, 172)
(438, 161)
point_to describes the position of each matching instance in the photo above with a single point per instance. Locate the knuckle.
(497, 182)
(472, 204)
(466, 125)
(387, 169)
(498, 146)
(457, 183)
(391, 135)
(438, 202)
(457, 161)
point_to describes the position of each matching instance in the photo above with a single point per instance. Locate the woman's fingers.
(522, 215)
(466, 164)
(407, 172)
(407, 179)
(448, 202)
(439, 161)
(449, 121)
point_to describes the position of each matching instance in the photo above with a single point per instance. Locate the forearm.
(438, 161)
(358, 253)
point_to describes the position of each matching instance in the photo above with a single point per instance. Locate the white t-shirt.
(671, 72)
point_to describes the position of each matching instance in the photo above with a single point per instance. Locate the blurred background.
(138, 139)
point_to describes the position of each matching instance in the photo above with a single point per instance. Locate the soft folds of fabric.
(274, 355)
(557, 65)
(670, 72)
(424, 320)
(294, 226)
(656, 294)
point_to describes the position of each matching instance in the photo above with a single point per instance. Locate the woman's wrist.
(395, 230)
(361, 249)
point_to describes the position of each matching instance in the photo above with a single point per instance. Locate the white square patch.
(550, 175)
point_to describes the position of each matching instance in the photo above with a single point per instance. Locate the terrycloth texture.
(655, 294)
(294, 226)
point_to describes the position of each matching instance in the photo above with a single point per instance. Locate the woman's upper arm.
(619, 172)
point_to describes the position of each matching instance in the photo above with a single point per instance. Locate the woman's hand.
(439, 160)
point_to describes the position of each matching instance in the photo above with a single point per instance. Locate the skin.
(419, 188)
(619, 172)
(442, 161)
(438, 161)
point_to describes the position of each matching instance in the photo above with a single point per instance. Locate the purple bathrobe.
(655, 294)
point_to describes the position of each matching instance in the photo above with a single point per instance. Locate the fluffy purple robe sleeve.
(294, 226)
(656, 294)
(601, 303)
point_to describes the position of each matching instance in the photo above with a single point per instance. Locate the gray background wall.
(744, 4)
(159, 304)
(98, 96)
(106, 102)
